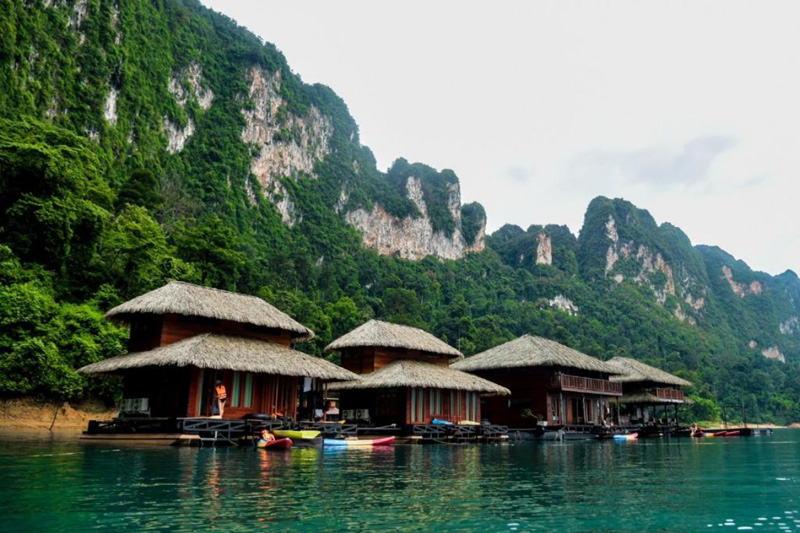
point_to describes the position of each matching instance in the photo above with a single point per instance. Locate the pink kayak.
(358, 443)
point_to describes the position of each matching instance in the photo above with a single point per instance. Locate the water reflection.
(669, 484)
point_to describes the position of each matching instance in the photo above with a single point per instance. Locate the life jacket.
(222, 394)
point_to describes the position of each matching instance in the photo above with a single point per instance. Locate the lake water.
(671, 485)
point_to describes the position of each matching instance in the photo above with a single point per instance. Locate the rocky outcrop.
(650, 263)
(414, 238)
(697, 304)
(79, 13)
(752, 344)
(544, 249)
(562, 303)
(741, 290)
(288, 145)
(773, 353)
(110, 110)
(790, 326)
(193, 87)
(611, 254)
(177, 136)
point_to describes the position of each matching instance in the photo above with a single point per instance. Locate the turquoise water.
(670, 485)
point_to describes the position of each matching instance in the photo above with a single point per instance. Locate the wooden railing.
(670, 394)
(567, 382)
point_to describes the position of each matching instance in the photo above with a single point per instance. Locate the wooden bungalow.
(184, 337)
(405, 377)
(645, 388)
(549, 382)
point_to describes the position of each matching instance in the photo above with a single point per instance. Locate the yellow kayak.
(296, 434)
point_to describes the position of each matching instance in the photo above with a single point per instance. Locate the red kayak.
(733, 433)
(277, 444)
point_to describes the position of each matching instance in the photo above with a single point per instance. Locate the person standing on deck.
(220, 395)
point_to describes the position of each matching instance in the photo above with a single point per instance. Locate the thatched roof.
(193, 300)
(388, 335)
(409, 373)
(223, 352)
(648, 398)
(529, 351)
(634, 371)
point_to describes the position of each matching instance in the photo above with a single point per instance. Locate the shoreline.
(39, 415)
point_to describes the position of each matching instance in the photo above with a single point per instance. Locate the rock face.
(562, 303)
(740, 289)
(110, 110)
(414, 238)
(790, 326)
(544, 250)
(177, 136)
(650, 263)
(196, 87)
(288, 145)
(773, 353)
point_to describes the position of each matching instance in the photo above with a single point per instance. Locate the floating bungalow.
(643, 387)
(550, 383)
(183, 338)
(405, 378)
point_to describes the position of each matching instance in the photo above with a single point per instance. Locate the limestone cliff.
(621, 242)
(287, 145)
(739, 289)
(412, 237)
(773, 353)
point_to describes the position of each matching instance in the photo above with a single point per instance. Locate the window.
(434, 402)
(248, 390)
(237, 389)
(417, 405)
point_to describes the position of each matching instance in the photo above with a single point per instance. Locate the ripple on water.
(516, 488)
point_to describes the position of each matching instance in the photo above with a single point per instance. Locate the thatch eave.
(187, 299)
(376, 333)
(633, 371)
(410, 373)
(529, 351)
(225, 352)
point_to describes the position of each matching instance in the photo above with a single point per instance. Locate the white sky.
(690, 109)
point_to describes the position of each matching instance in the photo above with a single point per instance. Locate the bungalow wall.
(248, 393)
(369, 359)
(407, 406)
(148, 332)
(537, 392)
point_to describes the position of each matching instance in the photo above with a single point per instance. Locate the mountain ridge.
(146, 141)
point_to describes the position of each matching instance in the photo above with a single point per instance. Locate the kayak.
(277, 444)
(296, 434)
(356, 443)
(698, 433)
(630, 436)
(437, 422)
(468, 423)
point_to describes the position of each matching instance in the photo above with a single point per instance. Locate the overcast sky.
(688, 109)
